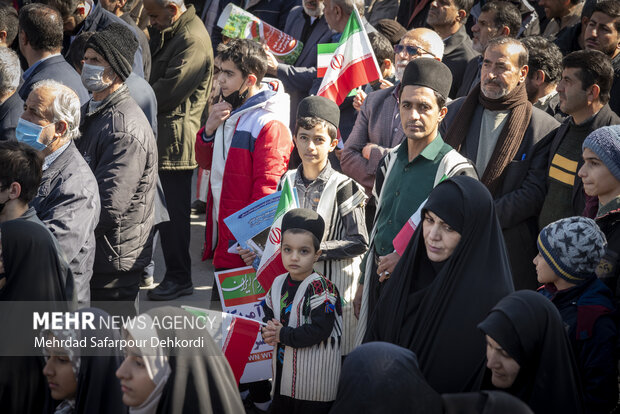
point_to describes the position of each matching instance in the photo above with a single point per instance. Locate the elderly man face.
(313, 8)
(501, 72)
(161, 17)
(37, 110)
(409, 48)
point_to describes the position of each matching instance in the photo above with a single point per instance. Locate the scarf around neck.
(510, 137)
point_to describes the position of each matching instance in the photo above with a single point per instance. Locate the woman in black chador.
(453, 271)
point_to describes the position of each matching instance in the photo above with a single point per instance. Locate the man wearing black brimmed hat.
(119, 146)
(408, 173)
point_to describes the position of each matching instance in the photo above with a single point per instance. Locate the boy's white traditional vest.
(310, 373)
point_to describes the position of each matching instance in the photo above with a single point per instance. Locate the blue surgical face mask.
(30, 134)
(92, 78)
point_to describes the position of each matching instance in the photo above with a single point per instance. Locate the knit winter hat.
(572, 247)
(605, 143)
(117, 44)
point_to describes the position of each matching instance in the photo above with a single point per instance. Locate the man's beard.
(491, 94)
(318, 12)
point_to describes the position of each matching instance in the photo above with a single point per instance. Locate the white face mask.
(92, 78)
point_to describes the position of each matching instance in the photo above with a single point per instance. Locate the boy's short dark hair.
(247, 55)
(42, 25)
(316, 243)
(22, 164)
(309, 122)
(594, 68)
(381, 46)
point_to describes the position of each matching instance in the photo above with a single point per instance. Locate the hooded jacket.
(247, 155)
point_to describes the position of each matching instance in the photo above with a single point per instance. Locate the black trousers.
(116, 294)
(174, 234)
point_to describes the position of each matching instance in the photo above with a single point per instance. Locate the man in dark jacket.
(584, 95)
(11, 105)
(118, 144)
(181, 78)
(121, 8)
(307, 24)
(505, 138)
(89, 16)
(447, 18)
(603, 34)
(40, 41)
(67, 200)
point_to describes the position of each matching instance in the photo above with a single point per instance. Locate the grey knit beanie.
(605, 143)
(117, 44)
(572, 247)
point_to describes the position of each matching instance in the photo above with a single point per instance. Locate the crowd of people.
(456, 247)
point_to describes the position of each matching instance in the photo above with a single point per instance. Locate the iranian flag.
(235, 334)
(352, 63)
(270, 265)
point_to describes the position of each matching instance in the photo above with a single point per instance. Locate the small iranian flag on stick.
(271, 265)
(352, 64)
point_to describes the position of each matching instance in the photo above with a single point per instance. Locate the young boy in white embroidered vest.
(304, 322)
(337, 198)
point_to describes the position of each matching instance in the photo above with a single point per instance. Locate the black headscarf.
(98, 389)
(32, 266)
(380, 377)
(201, 381)
(530, 329)
(484, 402)
(33, 272)
(433, 308)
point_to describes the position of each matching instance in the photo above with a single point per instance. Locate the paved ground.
(202, 272)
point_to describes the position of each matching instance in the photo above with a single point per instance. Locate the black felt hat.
(391, 29)
(304, 219)
(117, 44)
(430, 73)
(320, 107)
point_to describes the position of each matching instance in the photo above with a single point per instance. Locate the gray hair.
(66, 106)
(179, 3)
(10, 71)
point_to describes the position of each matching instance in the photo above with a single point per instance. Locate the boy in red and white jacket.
(245, 143)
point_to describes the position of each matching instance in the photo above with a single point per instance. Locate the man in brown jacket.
(182, 67)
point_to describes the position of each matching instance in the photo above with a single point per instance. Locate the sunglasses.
(411, 50)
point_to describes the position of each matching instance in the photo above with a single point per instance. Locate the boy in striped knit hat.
(304, 322)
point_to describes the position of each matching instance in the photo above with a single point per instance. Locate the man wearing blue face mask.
(118, 144)
(67, 200)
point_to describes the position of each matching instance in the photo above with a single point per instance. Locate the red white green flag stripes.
(352, 64)
(271, 265)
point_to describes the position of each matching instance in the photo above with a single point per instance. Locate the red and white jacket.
(247, 155)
